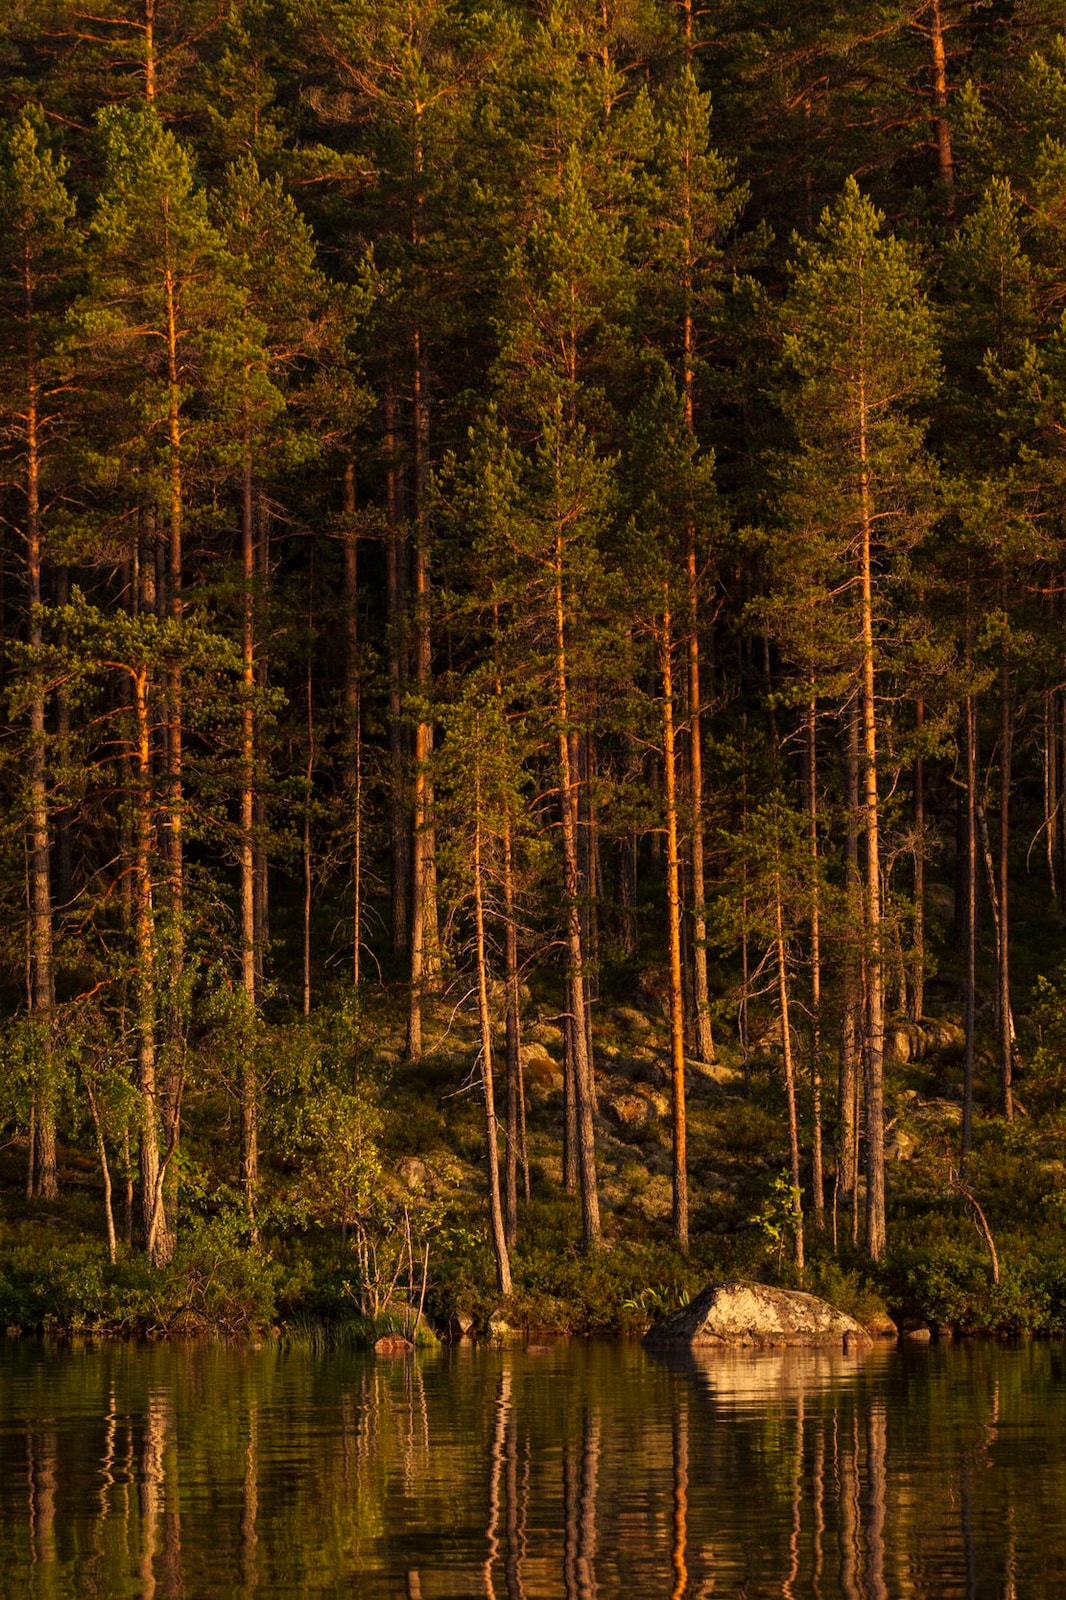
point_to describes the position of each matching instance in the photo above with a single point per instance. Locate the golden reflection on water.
(583, 1472)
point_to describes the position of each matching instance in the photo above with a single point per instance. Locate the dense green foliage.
(534, 532)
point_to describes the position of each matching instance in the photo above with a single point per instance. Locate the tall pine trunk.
(673, 914)
(496, 1218)
(42, 1150)
(917, 1007)
(969, 886)
(704, 1041)
(352, 711)
(851, 1036)
(781, 964)
(941, 126)
(1006, 1022)
(158, 1237)
(163, 1224)
(876, 1237)
(248, 1088)
(425, 949)
(396, 607)
(516, 1110)
(817, 1172)
(575, 978)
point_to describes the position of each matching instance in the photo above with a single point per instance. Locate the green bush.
(851, 1289)
(215, 1282)
(948, 1283)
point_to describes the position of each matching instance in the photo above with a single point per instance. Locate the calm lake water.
(575, 1471)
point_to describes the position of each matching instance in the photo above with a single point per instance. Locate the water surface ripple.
(584, 1471)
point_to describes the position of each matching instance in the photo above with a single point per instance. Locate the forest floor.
(987, 1255)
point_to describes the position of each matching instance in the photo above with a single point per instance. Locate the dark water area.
(574, 1470)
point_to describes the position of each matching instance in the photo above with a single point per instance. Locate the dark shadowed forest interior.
(533, 600)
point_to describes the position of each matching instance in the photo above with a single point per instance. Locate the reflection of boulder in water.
(743, 1313)
(749, 1375)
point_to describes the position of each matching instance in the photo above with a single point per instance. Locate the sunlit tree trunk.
(582, 1063)
(817, 1174)
(1051, 802)
(425, 951)
(917, 1006)
(673, 915)
(105, 1170)
(307, 850)
(969, 889)
(248, 1087)
(781, 963)
(62, 823)
(704, 1042)
(570, 1136)
(851, 1040)
(496, 1219)
(941, 126)
(261, 876)
(352, 709)
(44, 1180)
(516, 1109)
(174, 949)
(1006, 1021)
(396, 602)
(158, 1237)
(875, 1031)
(149, 51)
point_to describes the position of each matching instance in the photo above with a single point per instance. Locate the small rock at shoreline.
(879, 1325)
(393, 1344)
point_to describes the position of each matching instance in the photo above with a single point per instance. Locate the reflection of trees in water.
(860, 1488)
(508, 1498)
(876, 1443)
(680, 1454)
(584, 1474)
(581, 1471)
(796, 1521)
(41, 1483)
(818, 1508)
(160, 1563)
(496, 1455)
(250, 1503)
(517, 1510)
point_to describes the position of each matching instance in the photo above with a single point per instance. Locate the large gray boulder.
(742, 1313)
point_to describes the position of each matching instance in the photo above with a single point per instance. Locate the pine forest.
(533, 660)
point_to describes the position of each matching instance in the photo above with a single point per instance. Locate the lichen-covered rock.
(542, 1072)
(712, 1072)
(744, 1313)
(630, 1111)
(412, 1172)
(900, 1146)
(918, 1041)
(629, 1018)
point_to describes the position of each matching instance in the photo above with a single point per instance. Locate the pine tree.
(860, 341)
(479, 794)
(157, 289)
(692, 206)
(672, 489)
(39, 248)
(284, 317)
